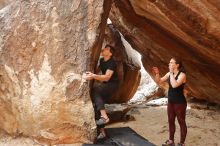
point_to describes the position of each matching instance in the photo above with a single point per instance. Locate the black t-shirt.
(111, 65)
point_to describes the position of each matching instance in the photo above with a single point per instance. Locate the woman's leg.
(171, 119)
(181, 117)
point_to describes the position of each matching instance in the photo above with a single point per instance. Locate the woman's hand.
(155, 70)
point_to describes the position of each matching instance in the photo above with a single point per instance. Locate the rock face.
(128, 65)
(45, 46)
(186, 29)
(3, 3)
(147, 89)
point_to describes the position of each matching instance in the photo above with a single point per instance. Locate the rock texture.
(4, 3)
(45, 46)
(128, 65)
(160, 29)
(147, 89)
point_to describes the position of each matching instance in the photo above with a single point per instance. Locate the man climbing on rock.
(105, 90)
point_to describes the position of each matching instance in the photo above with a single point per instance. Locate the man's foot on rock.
(102, 121)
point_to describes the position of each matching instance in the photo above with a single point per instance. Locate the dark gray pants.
(101, 93)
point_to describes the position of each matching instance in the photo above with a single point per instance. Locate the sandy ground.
(6, 140)
(151, 123)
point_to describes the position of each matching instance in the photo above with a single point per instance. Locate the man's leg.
(97, 104)
(97, 96)
(100, 94)
(107, 92)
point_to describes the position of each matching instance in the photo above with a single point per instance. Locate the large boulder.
(45, 47)
(185, 29)
(4, 3)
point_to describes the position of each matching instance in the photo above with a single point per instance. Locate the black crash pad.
(123, 136)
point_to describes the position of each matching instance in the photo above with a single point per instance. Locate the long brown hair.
(181, 67)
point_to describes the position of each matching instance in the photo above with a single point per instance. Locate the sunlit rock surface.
(4, 3)
(185, 29)
(45, 47)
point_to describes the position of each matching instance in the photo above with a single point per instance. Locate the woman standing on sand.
(177, 104)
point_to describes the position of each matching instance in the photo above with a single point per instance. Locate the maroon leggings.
(179, 111)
